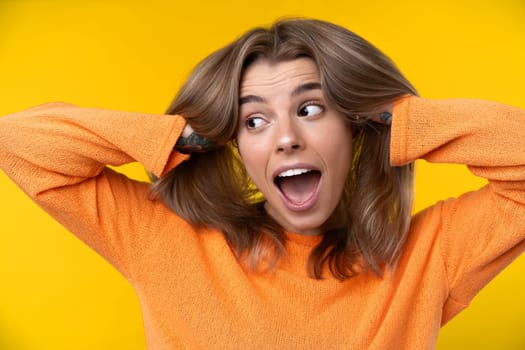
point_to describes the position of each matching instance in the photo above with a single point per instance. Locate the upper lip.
(284, 168)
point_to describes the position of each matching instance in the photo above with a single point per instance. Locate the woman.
(280, 212)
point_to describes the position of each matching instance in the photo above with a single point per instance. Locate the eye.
(255, 122)
(310, 110)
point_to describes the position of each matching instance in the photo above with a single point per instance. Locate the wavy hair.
(369, 226)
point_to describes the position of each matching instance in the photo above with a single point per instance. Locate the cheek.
(339, 153)
(253, 159)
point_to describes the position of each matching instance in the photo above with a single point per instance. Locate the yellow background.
(133, 55)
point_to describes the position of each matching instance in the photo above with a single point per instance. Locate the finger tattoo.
(194, 143)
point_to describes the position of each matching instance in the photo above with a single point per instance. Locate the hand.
(382, 115)
(188, 130)
(191, 142)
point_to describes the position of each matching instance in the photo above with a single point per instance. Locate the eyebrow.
(301, 89)
(296, 92)
(250, 99)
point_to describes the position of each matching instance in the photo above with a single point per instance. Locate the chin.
(310, 228)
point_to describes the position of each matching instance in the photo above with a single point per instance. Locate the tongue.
(299, 188)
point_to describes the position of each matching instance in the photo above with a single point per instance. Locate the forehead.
(264, 74)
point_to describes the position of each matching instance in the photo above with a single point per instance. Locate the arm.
(57, 154)
(483, 231)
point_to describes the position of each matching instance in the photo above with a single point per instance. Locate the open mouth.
(299, 187)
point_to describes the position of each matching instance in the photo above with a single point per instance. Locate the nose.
(289, 136)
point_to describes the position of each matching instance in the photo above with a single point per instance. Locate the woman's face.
(295, 146)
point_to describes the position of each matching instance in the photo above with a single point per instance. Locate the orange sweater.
(194, 294)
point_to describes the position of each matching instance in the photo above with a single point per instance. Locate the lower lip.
(306, 205)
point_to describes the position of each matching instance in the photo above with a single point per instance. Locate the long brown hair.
(369, 226)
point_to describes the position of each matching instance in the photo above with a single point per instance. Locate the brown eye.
(254, 122)
(310, 110)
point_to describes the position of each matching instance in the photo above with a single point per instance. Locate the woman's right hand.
(191, 142)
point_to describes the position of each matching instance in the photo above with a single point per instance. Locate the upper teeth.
(293, 172)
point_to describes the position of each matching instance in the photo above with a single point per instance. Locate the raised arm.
(480, 232)
(57, 154)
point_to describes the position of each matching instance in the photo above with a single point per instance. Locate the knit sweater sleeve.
(57, 153)
(480, 232)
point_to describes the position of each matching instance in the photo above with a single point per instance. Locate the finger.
(380, 118)
(385, 118)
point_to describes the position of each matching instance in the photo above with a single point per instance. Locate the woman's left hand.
(381, 115)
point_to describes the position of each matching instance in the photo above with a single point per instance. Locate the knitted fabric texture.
(192, 290)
